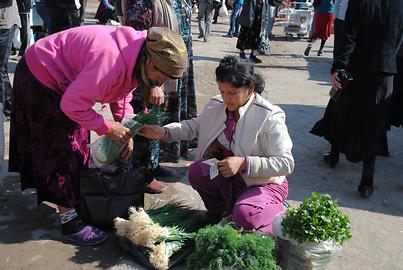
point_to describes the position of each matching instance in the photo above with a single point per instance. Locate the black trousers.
(63, 19)
(25, 32)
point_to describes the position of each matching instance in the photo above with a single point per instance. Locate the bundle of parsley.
(219, 247)
(317, 219)
(314, 233)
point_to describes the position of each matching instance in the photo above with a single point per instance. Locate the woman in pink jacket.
(56, 85)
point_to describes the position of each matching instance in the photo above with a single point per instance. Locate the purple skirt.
(47, 148)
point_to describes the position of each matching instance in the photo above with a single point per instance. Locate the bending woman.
(56, 85)
(249, 138)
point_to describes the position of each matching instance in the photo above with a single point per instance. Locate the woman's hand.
(152, 132)
(127, 150)
(157, 96)
(231, 165)
(336, 81)
(119, 133)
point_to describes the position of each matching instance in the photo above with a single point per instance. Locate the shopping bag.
(108, 193)
(223, 11)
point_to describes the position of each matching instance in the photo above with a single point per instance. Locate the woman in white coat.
(249, 140)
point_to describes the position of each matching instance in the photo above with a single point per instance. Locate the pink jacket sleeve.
(89, 87)
(122, 107)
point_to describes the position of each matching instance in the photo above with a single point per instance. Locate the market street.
(30, 237)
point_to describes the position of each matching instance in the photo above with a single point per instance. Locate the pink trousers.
(251, 208)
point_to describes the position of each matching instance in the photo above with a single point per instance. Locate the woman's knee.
(244, 216)
(195, 175)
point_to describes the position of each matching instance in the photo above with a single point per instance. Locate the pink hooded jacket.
(89, 64)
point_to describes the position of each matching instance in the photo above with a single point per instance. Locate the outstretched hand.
(119, 133)
(230, 166)
(152, 132)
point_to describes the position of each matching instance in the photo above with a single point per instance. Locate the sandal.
(87, 236)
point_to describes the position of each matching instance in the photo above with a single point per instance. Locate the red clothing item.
(322, 24)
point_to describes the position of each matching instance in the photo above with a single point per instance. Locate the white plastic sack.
(305, 256)
(104, 151)
(195, 10)
(223, 12)
(16, 39)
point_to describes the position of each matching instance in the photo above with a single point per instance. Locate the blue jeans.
(43, 10)
(6, 40)
(205, 18)
(270, 17)
(234, 19)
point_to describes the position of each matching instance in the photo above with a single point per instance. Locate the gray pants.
(205, 18)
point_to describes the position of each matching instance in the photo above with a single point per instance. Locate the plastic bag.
(195, 9)
(223, 12)
(16, 38)
(305, 256)
(104, 151)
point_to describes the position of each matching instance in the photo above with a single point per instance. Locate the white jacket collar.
(242, 110)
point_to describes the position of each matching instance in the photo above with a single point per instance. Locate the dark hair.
(238, 73)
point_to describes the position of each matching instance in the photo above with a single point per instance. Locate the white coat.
(260, 134)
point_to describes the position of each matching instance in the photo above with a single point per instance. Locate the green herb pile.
(217, 247)
(177, 214)
(149, 117)
(317, 220)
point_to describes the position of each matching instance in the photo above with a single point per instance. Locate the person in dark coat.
(65, 14)
(250, 21)
(356, 123)
(395, 117)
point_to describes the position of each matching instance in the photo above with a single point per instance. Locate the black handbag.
(107, 194)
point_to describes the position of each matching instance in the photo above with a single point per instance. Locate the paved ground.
(30, 237)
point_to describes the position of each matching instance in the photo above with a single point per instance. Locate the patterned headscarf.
(166, 51)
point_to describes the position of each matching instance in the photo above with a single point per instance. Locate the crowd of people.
(148, 63)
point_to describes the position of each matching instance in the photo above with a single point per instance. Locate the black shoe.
(331, 159)
(162, 172)
(228, 35)
(255, 60)
(320, 53)
(365, 191)
(308, 49)
(235, 35)
(215, 21)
